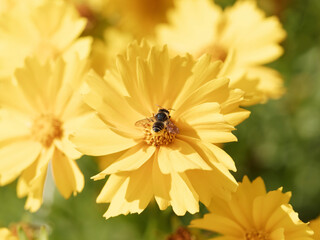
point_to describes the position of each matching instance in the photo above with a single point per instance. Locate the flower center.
(256, 235)
(163, 137)
(45, 129)
(216, 51)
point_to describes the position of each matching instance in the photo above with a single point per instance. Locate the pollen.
(45, 129)
(256, 235)
(164, 137)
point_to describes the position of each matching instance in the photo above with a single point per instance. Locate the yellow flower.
(97, 6)
(104, 52)
(46, 29)
(178, 165)
(254, 214)
(5, 234)
(241, 34)
(139, 17)
(315, 226)
(39, 109)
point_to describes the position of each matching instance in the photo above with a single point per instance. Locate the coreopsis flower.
(39, 109)
(23, 231)
(140, 17)
(169, 156)
(315, 226)
(6, 234)
(241, 34)
(96, 6)
(254, 214)
(104, 52)
(47, 29)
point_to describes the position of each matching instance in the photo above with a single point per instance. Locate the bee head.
(163, 110)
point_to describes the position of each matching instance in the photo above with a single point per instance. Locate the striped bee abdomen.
(157, 126)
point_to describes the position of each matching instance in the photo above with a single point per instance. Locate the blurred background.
(280, 142)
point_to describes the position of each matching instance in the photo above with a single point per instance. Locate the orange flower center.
(164, 137)
(256, 235)
(216, 51)
(45, 129)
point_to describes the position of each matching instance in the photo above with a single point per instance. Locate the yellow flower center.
(45, 129)
(164, 137)
(256, 235)
(216, 51)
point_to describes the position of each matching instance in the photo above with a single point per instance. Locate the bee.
(160, 120)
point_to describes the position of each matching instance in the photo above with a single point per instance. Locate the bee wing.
(171, 127)
(144, 122)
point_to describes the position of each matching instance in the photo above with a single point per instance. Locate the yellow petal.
(264, 206)
(203, 71)
(13, 125)
(183, 197)
(212, 184)
(32, 180)
(133, 195)
(35, 194)
(218, 133)
(96, 139)
(67, 98)
(15, 157)
(81, 46)
(31, 79)
(216, 90)
(161, 184)
(210, 152)
(67, 174)
(271, 81)
(131, 160)
(222, 156)
(277, 234)
(263, 33)
(165, 71)
(5, 234)
(202, 114)
(67, 147)
(113, 184)
(219, 224)
(13, 97)
(180, 157)
(230, 108)
(199, 16)
(30, 175)
(100, 95)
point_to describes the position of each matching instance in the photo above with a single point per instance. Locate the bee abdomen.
(157, 126)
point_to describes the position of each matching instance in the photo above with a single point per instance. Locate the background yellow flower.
(140, 17)
(5, 234)
(38, 112)
(177, 168)
(46, 29)
(315, 226)
(253, 214)
(243, 31)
